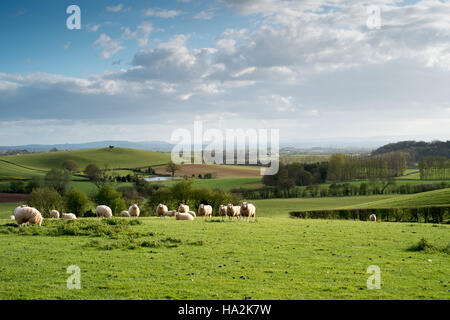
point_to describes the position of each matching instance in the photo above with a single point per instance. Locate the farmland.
(275, 258)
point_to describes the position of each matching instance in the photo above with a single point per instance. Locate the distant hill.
(27, 165)
(148, 145)
(417, 149)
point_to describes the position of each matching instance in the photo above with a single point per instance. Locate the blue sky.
(137, 70)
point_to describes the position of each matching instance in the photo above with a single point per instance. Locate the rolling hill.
(24, 166)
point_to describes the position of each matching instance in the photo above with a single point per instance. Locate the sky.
(317, 70)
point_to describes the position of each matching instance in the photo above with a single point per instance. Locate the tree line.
(434, 168)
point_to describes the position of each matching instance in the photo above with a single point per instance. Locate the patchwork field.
(217, 171)
(271, 259)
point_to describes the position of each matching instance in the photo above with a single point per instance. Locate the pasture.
(274, 258)
(113, 158)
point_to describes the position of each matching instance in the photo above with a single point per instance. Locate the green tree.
(17, 187)
(45, 200)
(76, 202)
(70, 165)
(172, 168)
(93, 172)
(35, 182)
(57, 179)
(107, 195)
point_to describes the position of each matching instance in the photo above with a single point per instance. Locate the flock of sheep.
(25, 214)
(246, 210)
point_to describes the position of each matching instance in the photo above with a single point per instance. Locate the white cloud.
(141, 34)
(109, 46)
(205, 15)
(93, 28)
(166, 14)
(116, 8)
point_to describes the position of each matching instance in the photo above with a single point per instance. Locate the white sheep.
(183, 216)
(104, 212)
(183, 208)
(248, 210)
(68, 216)
(18, 208)
(134, 210)
(205, 211)
(26, 214)
(12, 218)
(192, 213)
(54, 214)
(233, 211)
(373, 217)
(171, 213)
(222, 211)
(125, 214)
(161, 210)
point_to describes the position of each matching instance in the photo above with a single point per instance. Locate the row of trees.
(343, 167)
(375, 187)
(434, 168)
(297, 174)
(435, 214)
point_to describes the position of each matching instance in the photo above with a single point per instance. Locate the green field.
(430, 198)
(278, 258)
(113, 158)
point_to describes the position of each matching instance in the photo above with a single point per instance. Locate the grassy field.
(282, 207)
(436, 197)
(272, 259)
(114, 158)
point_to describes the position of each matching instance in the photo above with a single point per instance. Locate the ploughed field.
(274, 258)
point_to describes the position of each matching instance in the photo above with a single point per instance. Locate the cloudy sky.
(137, 70)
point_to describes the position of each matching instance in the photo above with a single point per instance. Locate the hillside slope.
(113, 158)
(437, 197)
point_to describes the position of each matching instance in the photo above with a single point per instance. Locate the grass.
(277, 258)
(282, 207)
(9, 171)
(436, 197)
(114, 158)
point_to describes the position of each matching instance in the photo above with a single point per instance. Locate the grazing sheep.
(373, 217)
(68, 216)
(134, 211)
(12, 218)
(183, 208)
(104, 212)
(222, 211)
(26, 214)
(205, 211)
(125, 214)
(233, 211)
(248, 210)
(171, 213)
(54, 214)
(161, 210)
(183, 216)
(18, 208)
